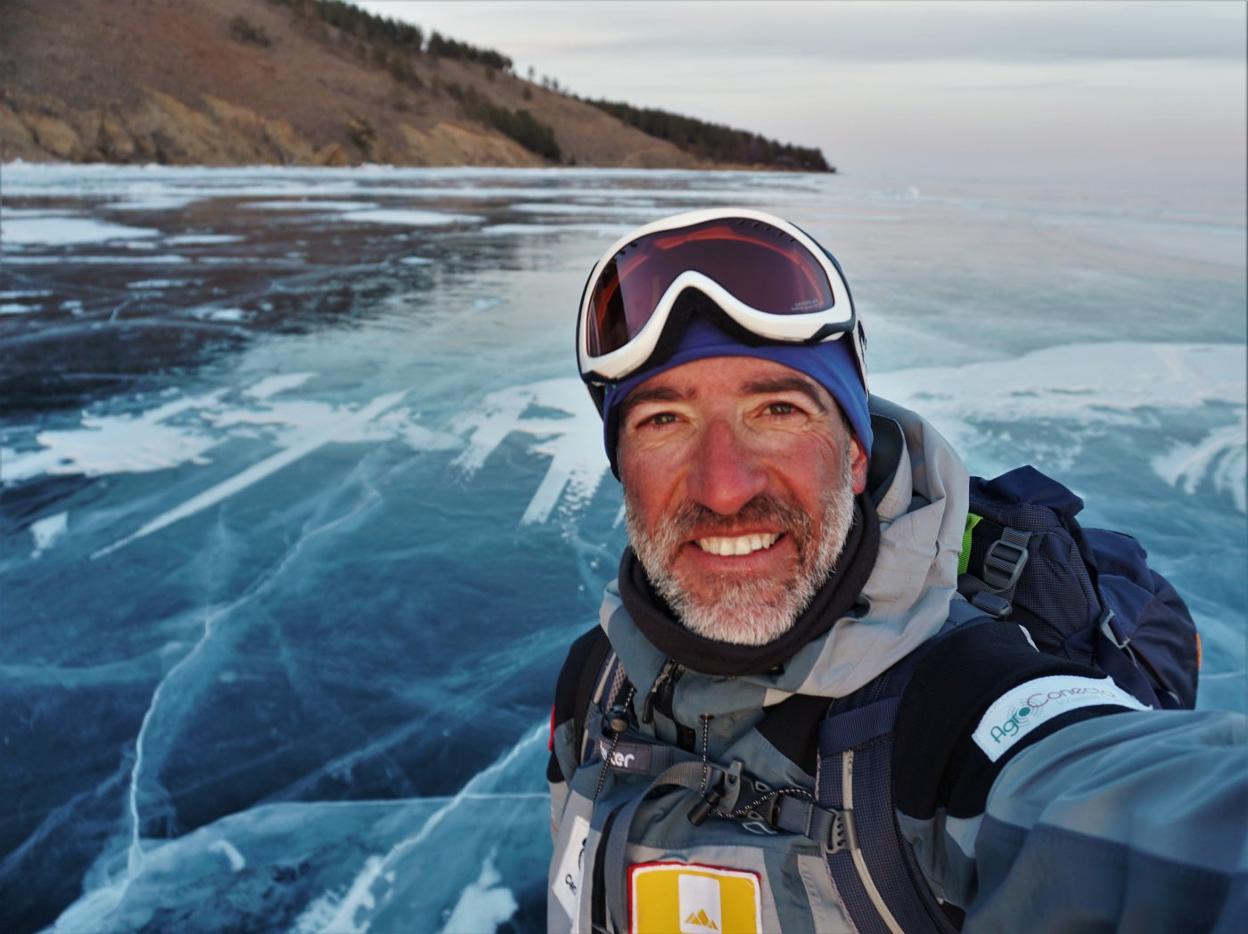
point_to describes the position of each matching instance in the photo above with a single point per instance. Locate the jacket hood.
(922, 514)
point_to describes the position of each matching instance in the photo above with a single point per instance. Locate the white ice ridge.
(570, 436)
(1111, 383)
(1219, 458)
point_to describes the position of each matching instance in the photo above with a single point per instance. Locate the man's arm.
(1036, 795)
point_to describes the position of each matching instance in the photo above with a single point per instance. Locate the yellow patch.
(690, 898)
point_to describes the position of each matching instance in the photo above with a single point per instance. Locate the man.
(788, 720)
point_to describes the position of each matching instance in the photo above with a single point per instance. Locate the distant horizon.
(1126, 94)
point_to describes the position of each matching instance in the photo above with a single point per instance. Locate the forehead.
(726, 377)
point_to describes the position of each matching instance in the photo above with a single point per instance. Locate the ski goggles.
(766, 275)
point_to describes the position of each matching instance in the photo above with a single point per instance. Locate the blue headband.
(830, 364)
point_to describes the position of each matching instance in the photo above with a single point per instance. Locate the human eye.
(657, 420)
(780, 409)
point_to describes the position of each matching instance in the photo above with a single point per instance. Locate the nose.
(724, 474)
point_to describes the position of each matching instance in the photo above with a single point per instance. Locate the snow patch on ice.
(558, 207)
(12, 308)
(230, 852)
(570, 437)
(156, 283)
(64, 231)
(345, 427)
(333, 915)
(46, 531)
(108, 444)
(272, 385)
(1219, 458)
(24, 293)
(10, 214)
(409, 218)
(203, 239)
(416, 261)
(75, 259)
(311, 205)
(484, 904)
(185, 430)
(595, 230)
(1110, 383)
(231, 315)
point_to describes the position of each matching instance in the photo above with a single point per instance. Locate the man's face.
(739, 476)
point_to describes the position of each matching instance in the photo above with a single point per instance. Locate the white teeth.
(739, 544)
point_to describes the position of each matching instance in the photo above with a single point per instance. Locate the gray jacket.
(1056, 805)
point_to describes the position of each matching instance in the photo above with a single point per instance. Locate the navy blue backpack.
(1083, 594)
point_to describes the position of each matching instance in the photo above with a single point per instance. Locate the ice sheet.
(344, 542)
(65, 231)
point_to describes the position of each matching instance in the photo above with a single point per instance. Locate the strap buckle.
(726, 788)
(993, 604)
(1005, 560)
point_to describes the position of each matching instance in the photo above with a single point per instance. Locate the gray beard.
(753, 612)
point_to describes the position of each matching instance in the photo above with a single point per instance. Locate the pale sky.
(1151, 92)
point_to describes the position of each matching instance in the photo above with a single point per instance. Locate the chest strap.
(721, 796)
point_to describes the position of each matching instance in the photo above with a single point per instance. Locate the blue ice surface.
(302, 501)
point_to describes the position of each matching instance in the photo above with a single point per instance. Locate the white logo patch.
(1019, 711)
(567, 881)
(699, 905)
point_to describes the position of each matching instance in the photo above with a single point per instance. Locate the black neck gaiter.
(834, 600)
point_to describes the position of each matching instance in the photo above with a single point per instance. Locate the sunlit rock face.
(302, 500)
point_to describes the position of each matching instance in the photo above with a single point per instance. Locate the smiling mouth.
(731, 545)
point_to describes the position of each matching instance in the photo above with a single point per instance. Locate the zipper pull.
(666, 672)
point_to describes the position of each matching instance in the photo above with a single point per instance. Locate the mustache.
(765, 507)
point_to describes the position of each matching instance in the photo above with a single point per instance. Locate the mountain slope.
(282, 81)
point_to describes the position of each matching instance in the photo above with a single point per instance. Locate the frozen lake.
(302, 500)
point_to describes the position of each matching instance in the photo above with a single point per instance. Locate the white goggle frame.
(620, 363)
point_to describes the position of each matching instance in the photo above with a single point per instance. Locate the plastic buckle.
(993, 604)
(727, 788)
(1107, 627)
(843, 835)
(1005, 560)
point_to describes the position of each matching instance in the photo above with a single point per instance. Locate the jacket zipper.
(661, 696)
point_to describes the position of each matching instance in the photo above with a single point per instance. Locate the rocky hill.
(310, 82)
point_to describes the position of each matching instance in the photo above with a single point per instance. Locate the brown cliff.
(232, 82)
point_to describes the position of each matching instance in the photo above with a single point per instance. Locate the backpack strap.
(581, 681)
(876, 873)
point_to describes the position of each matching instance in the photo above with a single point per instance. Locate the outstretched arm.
(1038, 795)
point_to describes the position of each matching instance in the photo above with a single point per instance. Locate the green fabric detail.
(964, 559)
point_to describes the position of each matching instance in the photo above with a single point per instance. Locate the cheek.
(650, 481)
(811, 472)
